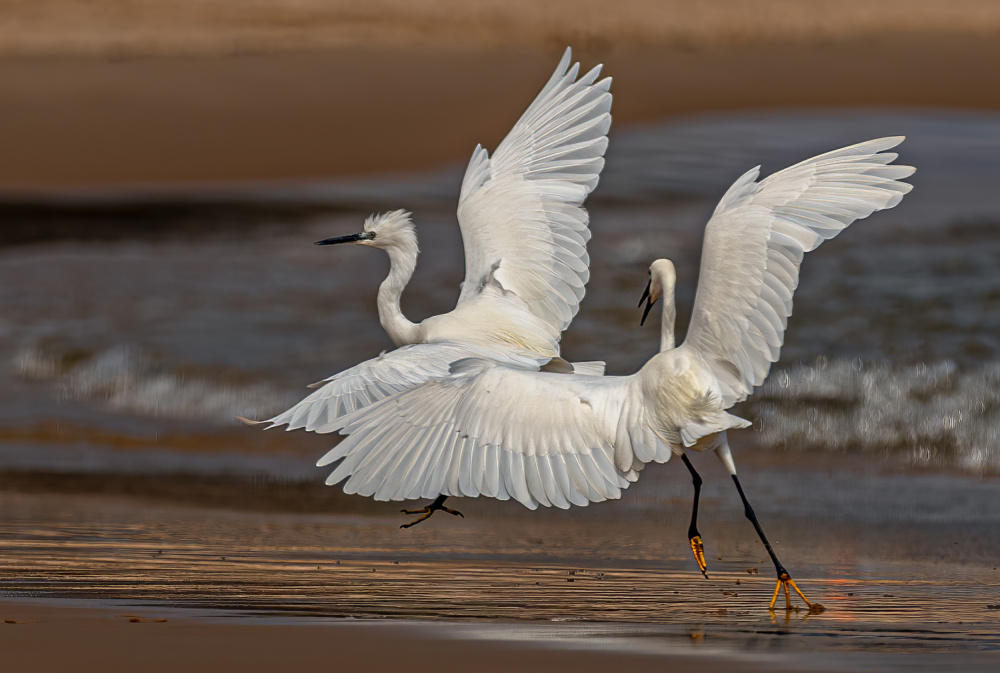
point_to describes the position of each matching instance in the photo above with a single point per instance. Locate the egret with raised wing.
(508, 431)
(525, 233)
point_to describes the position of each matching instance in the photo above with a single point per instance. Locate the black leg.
(438, 504)
(748, 511)
(784, 579)
(694, 537)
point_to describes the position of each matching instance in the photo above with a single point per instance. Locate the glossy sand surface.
(919, 586)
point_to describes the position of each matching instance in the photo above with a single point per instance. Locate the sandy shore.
(146, 27)
(545, 577)
(270, 112)
(141, 584)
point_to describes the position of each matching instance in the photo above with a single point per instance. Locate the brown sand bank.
(80, 121)
(147, 27)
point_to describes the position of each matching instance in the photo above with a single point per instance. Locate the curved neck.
(667, 322)
(402, 262)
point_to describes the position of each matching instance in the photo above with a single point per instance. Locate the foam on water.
(128, 380)
(932, 415)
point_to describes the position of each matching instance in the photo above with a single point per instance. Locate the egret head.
(392, 229)
(662, 278)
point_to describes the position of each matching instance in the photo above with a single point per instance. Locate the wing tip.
(876, 145)
(564, 63)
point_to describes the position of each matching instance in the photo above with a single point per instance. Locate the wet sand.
(39, 635)
(615, 579)
(42, 635)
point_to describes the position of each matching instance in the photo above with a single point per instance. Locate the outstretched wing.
(373, 380)
(754, 245)
(499, 431)
(523, 224)
(394, 372)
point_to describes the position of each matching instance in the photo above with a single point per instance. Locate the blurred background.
(167, 166)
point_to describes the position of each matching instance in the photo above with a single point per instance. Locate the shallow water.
(161, 322)
(129, 349)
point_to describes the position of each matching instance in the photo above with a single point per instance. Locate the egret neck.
(402, 263)
(668, 319)
(662, 280)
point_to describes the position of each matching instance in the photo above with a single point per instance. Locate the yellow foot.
(427, 511)
(698, 549)
(784, 580)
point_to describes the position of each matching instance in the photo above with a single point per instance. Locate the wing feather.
(579, 478)
(568, 488)
(534, 480)
(466, 483)
(500, 431)
(372, 380)
(487, 467)
(754, 245)
(521, 211)
(514, 479)
(556, 489)
(452, 479)
(438, 471)
(388, 374)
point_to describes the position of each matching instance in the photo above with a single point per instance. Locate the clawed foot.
(698, 549)
(438, 504)
(784, 580)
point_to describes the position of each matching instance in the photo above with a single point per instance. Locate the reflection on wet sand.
(597, 569)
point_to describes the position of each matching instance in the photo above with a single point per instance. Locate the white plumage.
(525, 234)
(754, 244)
(506, 430)
(523, 226)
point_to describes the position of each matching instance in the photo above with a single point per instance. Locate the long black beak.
(353, 238)
(649, 302)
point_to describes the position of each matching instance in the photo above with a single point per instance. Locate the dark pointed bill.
(649, 302)
(645, 293)
(353, 238)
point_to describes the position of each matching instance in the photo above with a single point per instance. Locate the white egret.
(505, 431)
(524, 232)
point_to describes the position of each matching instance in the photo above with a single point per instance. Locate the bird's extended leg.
(438, 504)
(697, 547)
(784, 579)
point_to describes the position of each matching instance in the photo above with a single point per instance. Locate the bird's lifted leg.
(784, 579)
(438, 504)
(697, 548)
